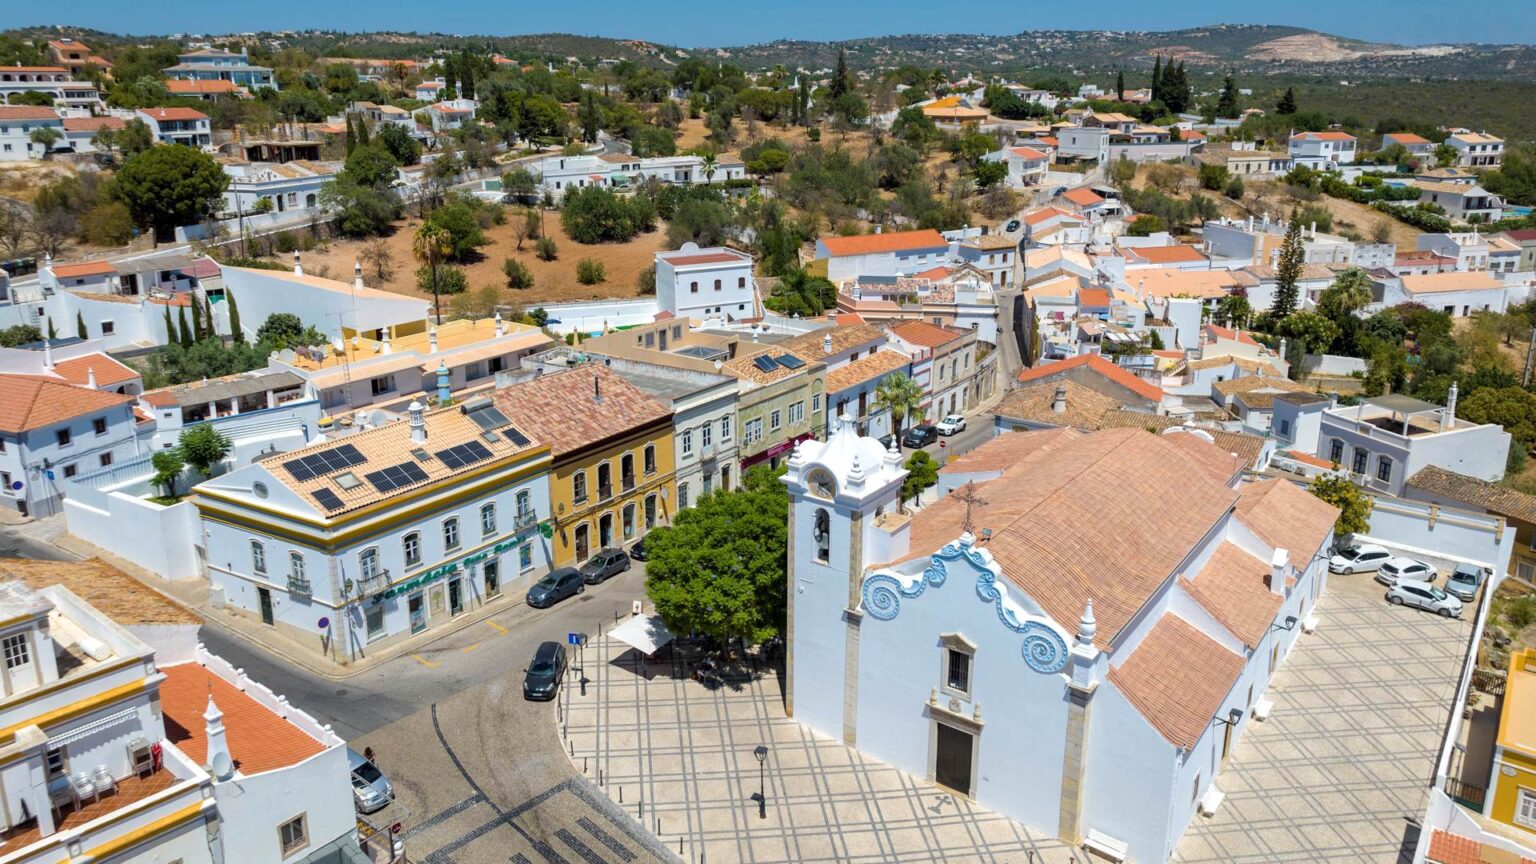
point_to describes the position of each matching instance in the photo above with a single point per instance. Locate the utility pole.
(1530, 355)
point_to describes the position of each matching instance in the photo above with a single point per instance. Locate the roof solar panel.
(327, 499)
(789, 361)
(395, 476)
(765, 363)
(300, 469)
(488, 418)
(464, 454)
(515, 436)
(350, 454)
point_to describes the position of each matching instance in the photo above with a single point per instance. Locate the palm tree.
(901, 396)
(429, 246)
(710, 162)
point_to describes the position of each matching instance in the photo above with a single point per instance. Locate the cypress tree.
(198, 330)
(840, 81)
(185, 337)
(234, 318)
(80, 325)
(362, 131)
(170, 328)
(1287, 271)
(212, 325)
(1120, 85)
(53, 332)
(351, 138)
(1157, 79)
(1226, 106)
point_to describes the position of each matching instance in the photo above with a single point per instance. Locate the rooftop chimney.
(826, 344)
(298, 269)
(1448, 416)
(384, 347)
(1277, 564)
(1059, 401)
(444, 389)
(418, 422)
(90, 377)
(432, 339)
(47, 347)
(220, 765)
(597, 388)
(357, 273)
(499, 328)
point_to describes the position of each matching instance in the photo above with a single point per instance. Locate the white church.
(1075, 641)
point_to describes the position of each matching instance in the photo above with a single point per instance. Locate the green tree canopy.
(1514, 408)
(171, 186)
(203, 447)
(1354, 505)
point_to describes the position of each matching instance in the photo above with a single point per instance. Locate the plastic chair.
(102, 779)
(83, 786)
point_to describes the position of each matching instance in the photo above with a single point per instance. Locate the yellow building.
(1512, 788)
(612, 478)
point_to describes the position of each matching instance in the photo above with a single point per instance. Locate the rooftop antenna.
(967, 496)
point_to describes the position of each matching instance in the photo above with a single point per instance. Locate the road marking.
(500, 629)
(424, 661)
(468, 648)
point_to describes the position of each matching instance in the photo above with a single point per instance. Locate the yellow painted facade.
(591, 513)
(1513, 798)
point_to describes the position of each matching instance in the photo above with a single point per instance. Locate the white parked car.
(951, 424)
(1362, 558)
(1395, 570)
(1424, 596)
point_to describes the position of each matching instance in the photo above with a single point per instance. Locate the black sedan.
(637, 551)
(558, 585)
(920, 436)
(603, 564)
(541, 680)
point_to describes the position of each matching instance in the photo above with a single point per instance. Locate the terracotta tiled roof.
(1480, 493)
(1322, 136)
(680, 259)
(1249, 383)
(1203, 453)
(1215, 331)
(864, 369)
(127, 600)
(1088, 519)
(925, 334)
(1231, 586)
(1093, 297)
(579, 407)
(1247, 364)
(1100, 365)
(809, 346)
(259, 740)
(1172, 282)
(1434, 283)
(850, 319)
(84, 268)
(27, 112)
(1026, 153)
(1177, 678)
(1082, 196)
(1176, 254)
(1407, 138)
(1445, 848)
(108, 372)
(174, 113)
(28, 403)
(889, 241)
(1004, 450)
(1085, 407)
(743, 367)
(1035, 217)
(1309, 272)
(1248, 447)
(93, 124)
(178, 87)
(1286, 516)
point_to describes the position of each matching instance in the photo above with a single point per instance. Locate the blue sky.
(691, 23)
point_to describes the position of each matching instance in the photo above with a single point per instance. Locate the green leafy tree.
(1309, 329)
(1157, 79)
(1214, 177)
(519, 277)
(1226, 104)
(1514, 408)
(989, 174)
(203, 447)
(459, 223)
(546, 249)
(430, 246)
(842, 79)
(171, 186)
(45, 137)
(596, 215)
(169, 467)
(1288, 271)
(399, 144)
(1145, 225)
(1353, 504)
(19, 334)
(901, 396)
(718, 570)
(1120, 84)
(1287, 103)
(922, 472)
(1349, 293)
(184, 333)
(80, 331)
(1445, 155)
(590, 271)
(445, 279)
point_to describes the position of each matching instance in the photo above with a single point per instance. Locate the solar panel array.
(395, 476)
(464, 454)
(488, 417)
(515, 436)
(764, 363)
(325, 462)
(327, 499)
(790, 361)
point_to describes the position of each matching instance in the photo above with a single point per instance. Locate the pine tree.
(1120, 85)
(1157, 79)
(80, 325)
(185, 333)
(1287, 104)
(1287, 271)
(1226, 106)
(234, 318)
(198, 330)
(841, 83)
(351, 138)
(362, 131)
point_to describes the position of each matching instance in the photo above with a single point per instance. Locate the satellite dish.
(221, 766)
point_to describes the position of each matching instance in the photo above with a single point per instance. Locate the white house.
(1477, 150)
(1462, 201)
(17, 123)
(51, 431)
(888, 253)
(178, 126)
(559, 174)
(80, 132)
(1322, 149)
(707, 283)
(212, 64)
(1026, 165)
(943, 365)
(451, 113)
(1384, 440)
(430, 91)
(55, 82)
(1455, 293)
(287, 186)
(1058, 622)
(383, 534)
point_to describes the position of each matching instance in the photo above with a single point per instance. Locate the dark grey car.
(558, 585)
(603, 564)
(541, 680)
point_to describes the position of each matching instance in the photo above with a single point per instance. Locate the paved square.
(1347, 755)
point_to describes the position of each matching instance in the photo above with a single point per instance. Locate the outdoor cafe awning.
(644, 633)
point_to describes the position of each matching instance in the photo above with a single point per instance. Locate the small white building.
(55, 82)
(1462, 201)
(17, 123)
(1322, 150)
(286, 186)
(430, 91)
(1026, 165)
(888, 253)
(560, 174)
(178, 126)
(1384, 440)
(52, 431)
(1457, 293)
(700, 284)
(451, 113)
(1477, 150)
(382, 534)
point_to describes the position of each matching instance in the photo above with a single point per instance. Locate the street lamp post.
(762, 794)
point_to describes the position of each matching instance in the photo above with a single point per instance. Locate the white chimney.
(47, 346)
(298, 269)
(1448, 416)
(1277, 564)
(357, 274)
(432, 339)
(384, 347)
(90, 377)
(499, 327)
(220, 765)
(877, 229)
(826, 344)
(1059, 401)
(418, 422)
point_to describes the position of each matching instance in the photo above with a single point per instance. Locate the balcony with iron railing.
(524, 519)
(604, 491)
(370, 584)
(629, 482)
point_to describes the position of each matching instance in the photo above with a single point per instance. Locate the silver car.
(1425, 596)
(1395, 570)
(370, 788)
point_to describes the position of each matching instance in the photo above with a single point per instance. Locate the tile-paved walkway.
(681, 754)
(1346, 758)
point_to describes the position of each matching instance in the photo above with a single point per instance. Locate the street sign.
(574, 638)
(547, 530)
(323, 623)
(16, 485)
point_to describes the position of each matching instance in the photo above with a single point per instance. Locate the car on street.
(1395, 570)
(554, 587)
(920, 436)
(370, 788)
(1424, 596)
(1361, 558)
(885, 441)
(604, 564)
(1012, 226)
(1464, 582)
(541, 680)
(951, 424)
(637, 551)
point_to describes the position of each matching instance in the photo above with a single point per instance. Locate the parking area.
(1340, 771)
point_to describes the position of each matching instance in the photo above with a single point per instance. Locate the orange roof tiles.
(1216, 461)
(1286, 516)
(1445, 848)
(259, 740)
(889, 241)
(1082, 196)
(1026, 153)
(27, 112)
(1100, 365)
(1093, 297)
(108, 372)
(1323, 136)
(925, 334)
(1232, 587)
(705, 258)
(1177, 678)
(92, 124)
(1035, 217)
(84, 268)
(579, 407)
(174, 113)
(1177, 254)
(850, 319)
(811, 345)
(179, 87)
(1406, 138)
(28, 403)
